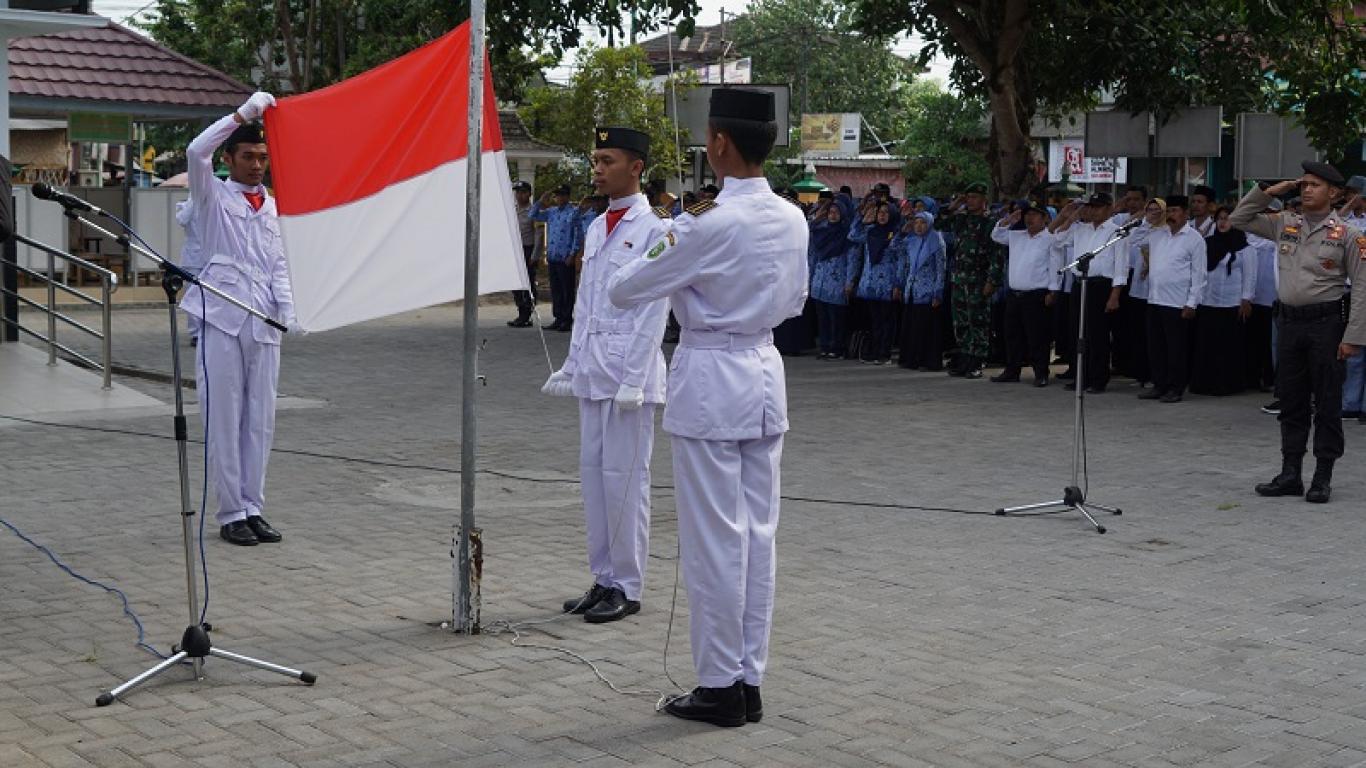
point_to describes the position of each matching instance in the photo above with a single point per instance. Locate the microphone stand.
(194, 643)
(1074, 495)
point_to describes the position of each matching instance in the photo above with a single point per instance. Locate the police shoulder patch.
(700, 207)
(662, 212)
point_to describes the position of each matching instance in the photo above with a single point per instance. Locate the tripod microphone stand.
(194, 643)
(1074, 495)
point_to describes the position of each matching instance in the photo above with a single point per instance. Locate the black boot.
(718, 706)
(959, 366)
(973, 369)
(754, 704)
(1288, 482)
(1321, 487)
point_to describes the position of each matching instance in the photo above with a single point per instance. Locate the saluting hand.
(1283, 187)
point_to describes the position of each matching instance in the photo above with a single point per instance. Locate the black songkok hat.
(1208, 192)
(611, 137)
(246, 133)
(1178, 201)
(742, 104)
(1100, 198)
(1326, 172)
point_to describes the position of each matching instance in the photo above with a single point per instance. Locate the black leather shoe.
(611, 607)
(1041, 382)
(1170, 397)
(555, 326)
(1321, 488)
(1006, 378)
(1287, 483)
(754, 704)
(1095, 390)
(520, 322)
(264, 533)
(719, 706)
(1150, 394)
(238, 533)
(589, 599)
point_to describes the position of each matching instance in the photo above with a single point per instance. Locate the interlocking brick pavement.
(1208, 627)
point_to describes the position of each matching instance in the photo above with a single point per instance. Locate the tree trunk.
(1011, 156)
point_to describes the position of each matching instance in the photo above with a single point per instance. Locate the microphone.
(70, 202)
(1129, 225)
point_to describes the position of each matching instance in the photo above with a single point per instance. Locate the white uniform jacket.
(240, 247)
(614, 347)
(732, 271)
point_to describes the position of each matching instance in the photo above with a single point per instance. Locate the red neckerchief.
(613, 217)
(257, 199)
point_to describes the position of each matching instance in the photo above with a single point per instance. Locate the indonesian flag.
(369, 179)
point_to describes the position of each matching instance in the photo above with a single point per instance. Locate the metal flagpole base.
(195, 645)
(1072, 498)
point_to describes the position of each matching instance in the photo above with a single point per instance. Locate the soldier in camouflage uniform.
(977, 271)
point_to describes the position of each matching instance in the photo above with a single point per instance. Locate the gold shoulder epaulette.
(662, 212)
(700, 207)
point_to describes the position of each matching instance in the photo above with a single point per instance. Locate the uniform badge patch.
(1328, 264)
(1291, 229)
(1336, 233)
(667, 241)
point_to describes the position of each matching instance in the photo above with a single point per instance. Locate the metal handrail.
(109, 282)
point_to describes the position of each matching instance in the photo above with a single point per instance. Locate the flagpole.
(466, 609)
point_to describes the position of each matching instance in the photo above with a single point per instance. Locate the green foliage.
(610, 86)
(944, 142)
(812, 46)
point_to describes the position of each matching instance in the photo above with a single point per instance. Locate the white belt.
(603, 325)
(724, 340)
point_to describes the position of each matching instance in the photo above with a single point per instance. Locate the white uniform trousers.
(614, 470)
(237, 378)
(727, 517)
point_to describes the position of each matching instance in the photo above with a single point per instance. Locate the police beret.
(1324, 171)
(521, 186)
(1178, 201)
(611, 137)
(1208, 192)
(1100, 198)
(976, 188)
(563, 189)
(1358, 183)
(742, 104)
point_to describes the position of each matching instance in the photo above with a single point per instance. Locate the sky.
(121, 10)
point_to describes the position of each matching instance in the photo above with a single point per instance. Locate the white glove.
(256, 106)
(629, 398)
(294, 328)
(560, 384)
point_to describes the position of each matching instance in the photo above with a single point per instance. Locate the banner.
(369, 179)
(1071, 154)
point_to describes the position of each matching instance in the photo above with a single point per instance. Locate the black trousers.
(563, 289)
(1260, 359)
(922, 337)
(1169, 349)
(526, 300)
(830, 322)
(1134, 314)
(883, 317)
(1097, 329)
(1026, 332)
(1218, 367)
(1308, 367)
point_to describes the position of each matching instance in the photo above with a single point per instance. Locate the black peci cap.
(1326, 172)
(1208, 192)
(1177, 201)
(611, 137)
(1100, 198)
(742, 104)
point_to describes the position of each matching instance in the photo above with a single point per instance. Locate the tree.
(610, 86)
(300, 45)
(944, 142)
(812, 46)
(1028, 57)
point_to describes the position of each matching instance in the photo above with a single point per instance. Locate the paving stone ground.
(1208, 627)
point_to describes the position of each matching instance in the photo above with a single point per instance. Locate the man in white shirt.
(1202, 210)
(239, 355)
(616, 370)
(1105, 280)
(733, 269)
(1176, 283)
(1032, 266)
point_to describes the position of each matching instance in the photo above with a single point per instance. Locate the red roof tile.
(116, 64)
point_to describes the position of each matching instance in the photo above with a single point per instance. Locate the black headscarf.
(880, 235)
(1221, 244)
(830, 240)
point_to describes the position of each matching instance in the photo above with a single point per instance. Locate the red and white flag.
(369, 178)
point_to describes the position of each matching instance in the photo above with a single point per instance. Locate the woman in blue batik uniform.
(922, 289)
(877, 278)
(832, 262)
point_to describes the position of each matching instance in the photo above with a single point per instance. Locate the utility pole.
(722, 58)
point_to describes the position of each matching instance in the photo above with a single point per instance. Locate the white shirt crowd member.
(616, 370)
(1033, 262)
(239, 355)
(1176, 265)
(1112, 263)
(1229, 285)
(733, 269)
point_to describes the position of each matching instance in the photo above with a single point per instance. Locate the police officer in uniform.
(616, 371)
(1316, 255)
(733, 269)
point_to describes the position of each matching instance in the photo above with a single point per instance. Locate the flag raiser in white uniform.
(732, 271)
